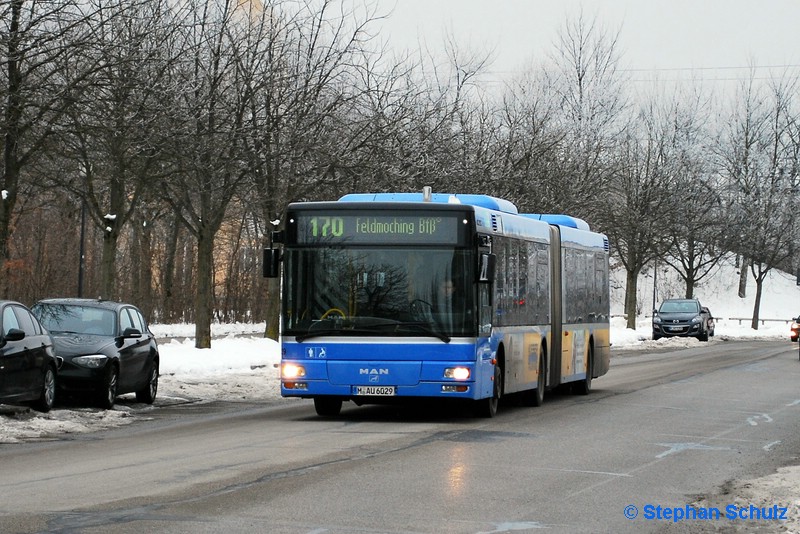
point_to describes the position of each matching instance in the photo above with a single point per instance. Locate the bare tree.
(112, 127)
(758, 162)
(593, 101)
(37, 40)
(699, 220)
(305, 66)
(529, 145)
(638, 199)
(207, 144)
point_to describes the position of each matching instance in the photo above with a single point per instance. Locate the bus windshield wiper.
(428, 330)
(316, 333)
(373, 323)
(354, 325)
(369, 325)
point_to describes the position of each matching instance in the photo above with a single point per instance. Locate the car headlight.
(656, 320)
(697, 319)
(91, 361)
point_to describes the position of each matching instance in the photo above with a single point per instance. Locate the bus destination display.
(371, 228)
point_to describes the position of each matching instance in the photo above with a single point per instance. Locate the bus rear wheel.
(327, 407)
(537, 395)
(585, 386)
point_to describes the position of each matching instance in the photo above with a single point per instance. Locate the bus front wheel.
(488, 407)
(327, 407)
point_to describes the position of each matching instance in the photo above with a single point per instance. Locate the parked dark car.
(28, 364)
(683, 317)
(106, 346)
(794, 330)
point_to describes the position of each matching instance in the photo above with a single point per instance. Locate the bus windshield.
(373, 291)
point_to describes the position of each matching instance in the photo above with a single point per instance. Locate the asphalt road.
(658, 430)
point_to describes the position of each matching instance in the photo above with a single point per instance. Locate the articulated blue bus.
(393, 296)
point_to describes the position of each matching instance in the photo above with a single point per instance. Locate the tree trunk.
(690, 288)
(107, 268)
(12, 118)
(630, 298)
(168, 274)
(144, 275)
(743, 270)
(757, 306)
(273, 308)
(204, 298)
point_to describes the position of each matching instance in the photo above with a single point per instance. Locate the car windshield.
(76, 319)
(686, 306)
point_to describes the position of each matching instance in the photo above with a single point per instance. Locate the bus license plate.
(376, 391)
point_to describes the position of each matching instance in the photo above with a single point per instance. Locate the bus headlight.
(292, 370)
(457, 373)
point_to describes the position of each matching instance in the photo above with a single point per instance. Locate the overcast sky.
(715, 38)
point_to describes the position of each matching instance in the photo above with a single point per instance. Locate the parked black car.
(28, 364)
(106, 346)
(683, 317)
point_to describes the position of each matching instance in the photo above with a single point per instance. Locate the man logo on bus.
(368, 371)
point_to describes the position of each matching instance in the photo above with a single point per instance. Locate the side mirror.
(15, 334)
(131, 332)
(486, 267)
(272, 263)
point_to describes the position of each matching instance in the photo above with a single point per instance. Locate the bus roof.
(482, 201)
(559, 220)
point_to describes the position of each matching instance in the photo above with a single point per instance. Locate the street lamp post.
(655, 282)
(81, 259)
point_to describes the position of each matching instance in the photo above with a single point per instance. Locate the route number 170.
(327, 226)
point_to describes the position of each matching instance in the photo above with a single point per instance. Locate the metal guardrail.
(740, 319)
(750, 320)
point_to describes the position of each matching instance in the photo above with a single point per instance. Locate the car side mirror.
(14, 334)
(131, 332)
